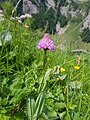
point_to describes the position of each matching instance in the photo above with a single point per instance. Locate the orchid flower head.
(45, 43)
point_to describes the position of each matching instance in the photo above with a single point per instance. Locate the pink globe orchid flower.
(45, 43)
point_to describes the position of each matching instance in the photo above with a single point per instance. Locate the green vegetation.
(27, 92)
(85, 35)
(72, 38)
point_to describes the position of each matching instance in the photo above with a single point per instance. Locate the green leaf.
(61, 97)
(63, 77)
(47, 74)
(52, 114)
(73, 107)
(61, 115)
(30, 103)
(45, 78)
(60, 105)
(45, 116)
(4, 101)
(18, 116)
(3, 117)
(39, 105)
(5, 36)
(43, 84)
(0, 100)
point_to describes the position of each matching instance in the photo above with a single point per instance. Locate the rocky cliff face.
(28, 7)
(69, 9)
(57, 12)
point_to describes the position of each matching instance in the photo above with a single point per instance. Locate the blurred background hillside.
(57, 17)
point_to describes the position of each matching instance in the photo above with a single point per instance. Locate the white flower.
(28, 16)
(18, 18)
(19, 21)
(22, 17)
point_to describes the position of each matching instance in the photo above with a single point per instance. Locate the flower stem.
(42, 85)
(44, 61)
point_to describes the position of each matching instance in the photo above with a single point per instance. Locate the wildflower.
(19, 21)
(25, 16)
(45, 43)
(17, 18)
(62, 69)
(22, 17)
(76, 67)
(28, 16)
(57, 78)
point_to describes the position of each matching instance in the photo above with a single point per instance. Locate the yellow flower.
(76, 67)
(57, 78)
(62, 69)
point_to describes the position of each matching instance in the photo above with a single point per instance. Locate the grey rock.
(86, 24)
(29, 8)
(50, 3)
(64, 10)
(60, 30)
(73, 13)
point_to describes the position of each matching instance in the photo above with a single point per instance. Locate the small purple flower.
(45, 43)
